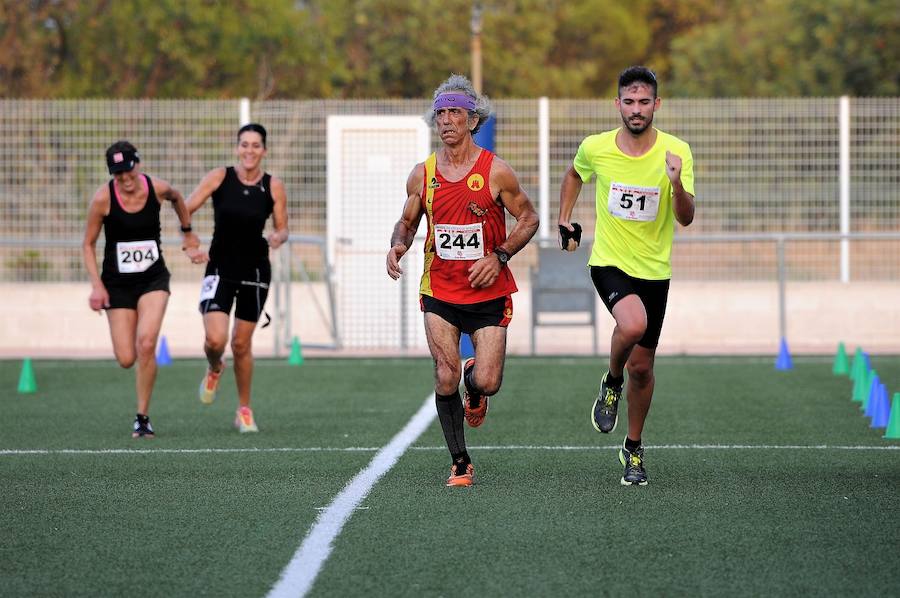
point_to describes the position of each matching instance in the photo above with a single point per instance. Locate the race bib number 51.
(136, 256)
(459, 241)
(631, 202)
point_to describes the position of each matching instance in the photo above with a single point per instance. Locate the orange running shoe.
(210, 385)
(476, 406)
(462, 479)
(243, 420)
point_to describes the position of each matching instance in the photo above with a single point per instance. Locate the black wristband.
(186, 229)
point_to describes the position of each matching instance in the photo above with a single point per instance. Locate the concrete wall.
(53, 320)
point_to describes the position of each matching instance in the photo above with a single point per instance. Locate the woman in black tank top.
(238, 271)
(134, 285)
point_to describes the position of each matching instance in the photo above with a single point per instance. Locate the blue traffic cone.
(783, 361)
(882, 410)
(162, 354)
(873, 400)
(874, 383)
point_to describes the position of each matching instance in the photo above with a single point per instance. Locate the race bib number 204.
(136, 256)
(632, 202)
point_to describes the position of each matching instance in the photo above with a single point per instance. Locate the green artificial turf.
(752, 489)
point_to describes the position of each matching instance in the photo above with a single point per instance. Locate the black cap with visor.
(121, 161)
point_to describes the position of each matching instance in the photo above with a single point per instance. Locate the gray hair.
(460, 83)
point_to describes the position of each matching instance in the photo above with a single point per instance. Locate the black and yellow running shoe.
(605, 412)
(635, 474)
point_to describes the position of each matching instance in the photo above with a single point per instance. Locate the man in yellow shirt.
(645, 182)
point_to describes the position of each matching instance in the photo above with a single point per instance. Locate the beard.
(637, 127)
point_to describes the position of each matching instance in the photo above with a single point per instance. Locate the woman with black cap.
(239, 271)
(133, 287)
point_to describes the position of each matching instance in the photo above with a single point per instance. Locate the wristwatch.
(501, 255)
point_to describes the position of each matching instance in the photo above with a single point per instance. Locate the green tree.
(32, 42)
(800, 48)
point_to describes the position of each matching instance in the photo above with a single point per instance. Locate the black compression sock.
(615, 382)
(461, 459)
(632, 445)
(451, 415)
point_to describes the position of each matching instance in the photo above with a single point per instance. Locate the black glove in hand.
(569, 240)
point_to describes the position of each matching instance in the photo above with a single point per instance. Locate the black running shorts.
(247, 295)
(471, 317)
(125, 295)
(612, 284)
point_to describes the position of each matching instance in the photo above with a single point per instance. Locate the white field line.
(508, 447)
(298, 576)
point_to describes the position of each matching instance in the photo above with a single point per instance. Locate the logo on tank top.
(475, 182)
(434, 184)
(475, 209)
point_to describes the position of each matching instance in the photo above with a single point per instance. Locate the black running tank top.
(240, 213)
(133, 250)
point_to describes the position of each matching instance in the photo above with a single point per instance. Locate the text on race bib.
(209, 287)
(459, 241)
(136, 256)
(633, 202)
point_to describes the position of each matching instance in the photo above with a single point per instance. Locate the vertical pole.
(844, 176)
(244, 117)
(544, 167)
(404, 325)
(782, 291)
(476, 45)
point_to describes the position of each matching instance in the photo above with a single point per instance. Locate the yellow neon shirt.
(634, 231)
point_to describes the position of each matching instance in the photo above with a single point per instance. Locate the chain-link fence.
(761, 165)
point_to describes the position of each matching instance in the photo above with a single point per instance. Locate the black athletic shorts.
(125, 295)
(612, 284)
(247, 294)
(471, 317)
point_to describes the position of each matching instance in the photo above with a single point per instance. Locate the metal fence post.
(782, 291)
(844, 184)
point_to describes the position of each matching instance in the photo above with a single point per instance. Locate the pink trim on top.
(119, 199)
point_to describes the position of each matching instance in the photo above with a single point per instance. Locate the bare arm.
(279, 214)
(682, 201)
(205, 188)
(568, 195)
(484, 272)
(406, 227)
(97, 210)
(190, 242)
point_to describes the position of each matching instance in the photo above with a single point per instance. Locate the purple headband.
(453, 100)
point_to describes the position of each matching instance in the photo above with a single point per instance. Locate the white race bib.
(208, 289)
(632, 202)
(136, 256)
(459, 241)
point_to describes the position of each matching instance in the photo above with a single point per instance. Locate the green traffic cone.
(296, 357)
(893, 428)
(857, 364)
(841, 366)
(862, 385)
(27, 383)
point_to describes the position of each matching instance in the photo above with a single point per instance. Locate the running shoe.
(243, 420)
(635, 474)
(142, 427)
(476, 406)
(461, 479)
(209, 386)
(605, 412)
